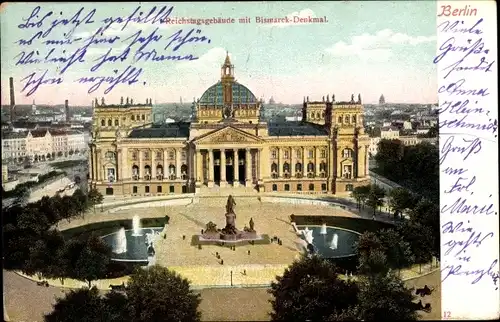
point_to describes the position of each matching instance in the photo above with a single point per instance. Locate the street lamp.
(231, 278)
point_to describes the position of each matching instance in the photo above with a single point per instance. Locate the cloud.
(375, 47)
(305, 13)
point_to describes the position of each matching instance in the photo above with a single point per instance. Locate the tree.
(361, 194)
(373, 263)
(93, 260)
(71, 152)
(83, 305)
(397, 250)
(385, 298)
(375, 198)
(95, 197)
(426, 213)
(81, 202)
(420, 238)
(310, 289)
(401, 199)
(158, 294)
(59, 154)
(389, 154)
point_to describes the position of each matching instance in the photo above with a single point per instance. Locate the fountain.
(121, 242)
(323, 230)
(136, 226)
(334, 242)
(308, 235)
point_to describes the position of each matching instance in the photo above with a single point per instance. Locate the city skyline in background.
(389, 53)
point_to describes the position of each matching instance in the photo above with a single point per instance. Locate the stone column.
(248, 168)
(118, 160)
(236, 168)
(210, 168)
(316, 160)
(165, 163)
(99, 168)
(178, 163)
(199, 167)
(259, 165)
(223, 181)
(124, 165)
(93, 163)
(141, 165)
(153, 164)
(304, 163)
(366, 161)
(280, 165)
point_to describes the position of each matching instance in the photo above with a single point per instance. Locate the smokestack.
(66, 110)
(12, 98)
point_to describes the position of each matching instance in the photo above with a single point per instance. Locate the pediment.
(226, 135)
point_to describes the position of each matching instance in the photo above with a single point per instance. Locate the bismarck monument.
(229, 233)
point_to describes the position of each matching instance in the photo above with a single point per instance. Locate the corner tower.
(344, 122)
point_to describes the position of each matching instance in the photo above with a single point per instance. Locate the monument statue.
(230, 204)
(229, 232)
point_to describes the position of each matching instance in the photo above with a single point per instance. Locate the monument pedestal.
(248, 183)
(236, 184)
(223, 184)
(210, 184)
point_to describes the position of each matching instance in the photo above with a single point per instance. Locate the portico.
(227, 166)
(228, 156)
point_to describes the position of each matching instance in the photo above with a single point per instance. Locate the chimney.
(12, 99)
(66, 110)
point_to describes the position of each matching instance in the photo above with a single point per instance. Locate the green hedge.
(356, 224)
(108, 227)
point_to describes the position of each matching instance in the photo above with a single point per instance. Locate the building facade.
(228, 143)
(39, 144)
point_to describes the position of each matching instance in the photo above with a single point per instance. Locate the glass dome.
(214, 95)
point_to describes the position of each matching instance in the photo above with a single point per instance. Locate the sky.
(371, 48)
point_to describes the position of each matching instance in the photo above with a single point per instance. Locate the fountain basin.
(335, 242)
(137, 248)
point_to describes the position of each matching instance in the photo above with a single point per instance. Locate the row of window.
(298, 153)
(158, 155)
(286, 187)
(346, 119)
(141, 117)
(159, 189)
(298, 167)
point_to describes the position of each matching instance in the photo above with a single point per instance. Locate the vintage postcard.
(260, 161)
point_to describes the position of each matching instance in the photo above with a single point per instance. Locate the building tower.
(66, 110)
(381, 100)
(33, 108)
(12, 99)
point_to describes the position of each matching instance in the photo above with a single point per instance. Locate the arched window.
(323, 114)
(317, 115)
(116, 122)
(159, 172)
(135, 172)
(147, 172)
(171, 169)
(275, 187)
(274, 170)
(184, 169)
(354, 119)
(286, 167)
(340, 119)
(132, 118)
(298, 153)
(298, 167)
(110, 122)
(310, 167)
(103, 123)
(287, 187)
(347, 119)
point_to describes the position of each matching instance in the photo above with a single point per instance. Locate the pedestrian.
(248, 252)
